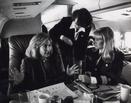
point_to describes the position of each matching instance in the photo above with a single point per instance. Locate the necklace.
(43, 67)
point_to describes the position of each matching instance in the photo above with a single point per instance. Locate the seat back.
(126, 72)
(4, 63)
(17, 48)
(4, 53)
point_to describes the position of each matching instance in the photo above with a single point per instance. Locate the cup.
(43, 98)
(124, 93)
(84, 78)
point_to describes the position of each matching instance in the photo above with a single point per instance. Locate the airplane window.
(123, 41)
(127, 42)
(117, 39)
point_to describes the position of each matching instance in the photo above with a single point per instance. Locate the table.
(83, 97)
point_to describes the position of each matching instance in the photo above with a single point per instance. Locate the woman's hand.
(84, 79)
(72, 70)
(18, 76)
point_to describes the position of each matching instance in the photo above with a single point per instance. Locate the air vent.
(21, 16)
(19, 13)
(20, 8)
(27, 3)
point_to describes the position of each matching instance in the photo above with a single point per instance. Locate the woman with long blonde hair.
(104, 41)
(107, 63)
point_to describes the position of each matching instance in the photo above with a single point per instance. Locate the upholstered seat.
(17, 48)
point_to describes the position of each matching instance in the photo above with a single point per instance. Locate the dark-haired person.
(107, 63)
(71, 33)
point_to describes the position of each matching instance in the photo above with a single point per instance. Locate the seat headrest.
(17, 48)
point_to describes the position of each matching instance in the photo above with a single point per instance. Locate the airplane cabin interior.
(21, 19)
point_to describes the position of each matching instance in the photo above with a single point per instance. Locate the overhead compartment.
(89, 4)
(95, 6)
(111, 3)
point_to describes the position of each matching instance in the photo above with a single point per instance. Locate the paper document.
(60, 90)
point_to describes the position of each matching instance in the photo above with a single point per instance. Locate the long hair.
(35, 43)
(108, 43)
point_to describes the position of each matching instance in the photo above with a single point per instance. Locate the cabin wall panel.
(125, 25)
(104, 23)
(121, 25)
(22, 26)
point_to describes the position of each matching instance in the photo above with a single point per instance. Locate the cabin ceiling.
(115, 15)
(19, 9)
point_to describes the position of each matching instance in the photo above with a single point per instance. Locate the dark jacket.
(112, 71)
(39, 73)
(79, 45)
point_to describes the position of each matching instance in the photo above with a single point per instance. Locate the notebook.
(107, 95)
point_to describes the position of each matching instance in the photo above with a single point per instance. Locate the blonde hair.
(108, 42)
(35, 43)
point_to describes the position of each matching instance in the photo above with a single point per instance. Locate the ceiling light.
(20, 8)
(27, 3)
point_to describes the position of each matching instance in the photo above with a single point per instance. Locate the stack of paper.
(61, 90)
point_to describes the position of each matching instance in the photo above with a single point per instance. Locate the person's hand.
(18, 76)
(66, 40)
(84, 79)
(72, 70)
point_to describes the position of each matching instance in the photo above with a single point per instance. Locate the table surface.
(82, 97)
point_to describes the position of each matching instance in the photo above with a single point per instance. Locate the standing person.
(107, 63)
(71, 33)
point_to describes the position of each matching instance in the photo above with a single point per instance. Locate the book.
(107, 95)
(82, 86)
